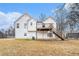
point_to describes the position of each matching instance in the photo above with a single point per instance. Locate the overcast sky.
(9, 12)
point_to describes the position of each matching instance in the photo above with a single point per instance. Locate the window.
(25, 25)
(17, 25)
(25, 34)
(43, 25)
(49, 35)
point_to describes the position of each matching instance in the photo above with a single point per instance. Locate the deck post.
(36, 30)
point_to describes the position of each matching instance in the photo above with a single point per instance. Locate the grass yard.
(39, 48)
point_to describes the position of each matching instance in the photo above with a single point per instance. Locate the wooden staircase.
(54, 32)
(58, 35)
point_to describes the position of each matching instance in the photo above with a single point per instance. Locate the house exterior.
(28, 28)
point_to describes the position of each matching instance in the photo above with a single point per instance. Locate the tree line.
(67, 20)
(8, 33)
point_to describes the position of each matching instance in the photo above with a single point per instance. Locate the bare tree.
(73, 16)
(10, 32)
(60, 18)
(42, 16)
(2, 33)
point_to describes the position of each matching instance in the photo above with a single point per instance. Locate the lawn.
(39, 48)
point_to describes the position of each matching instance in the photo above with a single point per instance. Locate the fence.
(72, 35)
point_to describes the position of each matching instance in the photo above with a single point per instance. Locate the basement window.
(25, 34)
(17, 25)
(49, 35)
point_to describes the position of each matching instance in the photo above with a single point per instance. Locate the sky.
(10, 12)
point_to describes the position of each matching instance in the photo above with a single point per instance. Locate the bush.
(33, 38)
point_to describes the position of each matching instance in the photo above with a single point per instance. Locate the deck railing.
(44, 27)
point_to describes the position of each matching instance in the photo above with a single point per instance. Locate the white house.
(28, 28)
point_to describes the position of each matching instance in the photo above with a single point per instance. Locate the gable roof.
(37, 21)
(22, 16)
(49, 18)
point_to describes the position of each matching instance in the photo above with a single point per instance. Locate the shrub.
(33, 38)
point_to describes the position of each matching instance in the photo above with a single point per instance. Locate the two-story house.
(28, 28)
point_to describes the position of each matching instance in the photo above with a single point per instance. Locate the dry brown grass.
(34, 48)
